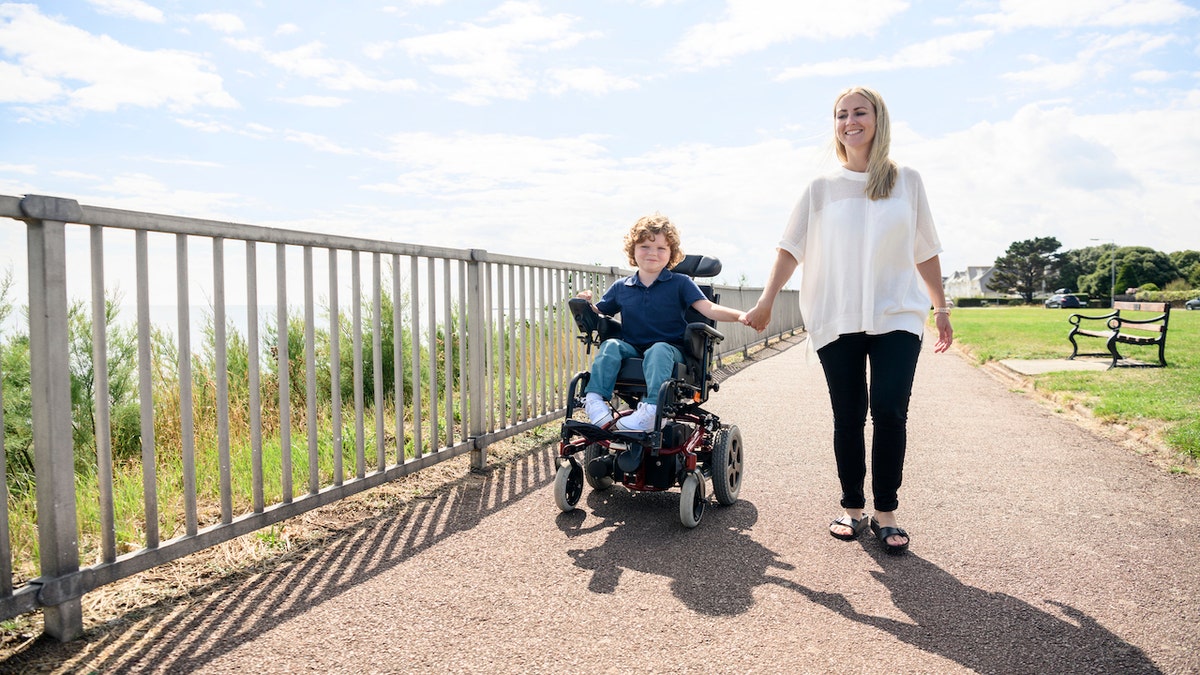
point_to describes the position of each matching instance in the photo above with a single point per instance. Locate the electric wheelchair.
(687, 445)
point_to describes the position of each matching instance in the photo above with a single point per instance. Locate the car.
(1194, 303)
(1063, 301)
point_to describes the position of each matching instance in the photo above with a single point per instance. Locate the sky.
(545, 129)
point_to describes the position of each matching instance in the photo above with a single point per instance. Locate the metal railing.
(449, 351)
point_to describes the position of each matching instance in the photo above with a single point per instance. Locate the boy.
(652, 303)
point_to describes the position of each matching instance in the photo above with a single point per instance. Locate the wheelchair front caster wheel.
(691, 500)
(568, 485)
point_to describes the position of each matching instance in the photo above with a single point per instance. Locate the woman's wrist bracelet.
(941, 310)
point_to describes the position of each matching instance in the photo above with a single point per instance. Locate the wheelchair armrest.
(586, 319)
(699, 335)
(594, 327)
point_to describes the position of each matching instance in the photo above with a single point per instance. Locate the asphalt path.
(1038, 546)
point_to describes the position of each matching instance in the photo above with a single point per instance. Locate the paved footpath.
(1037, 548)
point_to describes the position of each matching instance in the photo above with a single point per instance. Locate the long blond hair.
(881, 170)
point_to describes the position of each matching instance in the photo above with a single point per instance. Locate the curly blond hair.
(650, 226)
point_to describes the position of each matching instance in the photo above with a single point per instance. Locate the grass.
(1167, 396)
(128, 495)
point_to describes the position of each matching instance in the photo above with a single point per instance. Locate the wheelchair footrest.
(595, 434)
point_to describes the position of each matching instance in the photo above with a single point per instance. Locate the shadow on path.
(713, 569)
(985, 631)
(178, 636)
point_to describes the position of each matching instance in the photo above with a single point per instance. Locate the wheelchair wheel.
(592, 451)
(568, 485)
(691, 500)
(727, 464)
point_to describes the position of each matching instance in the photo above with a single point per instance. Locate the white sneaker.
(641, 419)
(598, 410)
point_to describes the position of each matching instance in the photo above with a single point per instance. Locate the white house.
(971, 283)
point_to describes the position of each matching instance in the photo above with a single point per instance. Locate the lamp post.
(1112, 271)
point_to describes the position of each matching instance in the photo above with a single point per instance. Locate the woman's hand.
(758, 317)
(945, 332)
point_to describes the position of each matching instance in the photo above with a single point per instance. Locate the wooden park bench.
(1122, 330)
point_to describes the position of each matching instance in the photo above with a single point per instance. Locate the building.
(971, 283)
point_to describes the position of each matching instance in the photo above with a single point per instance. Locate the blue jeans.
(658, 364)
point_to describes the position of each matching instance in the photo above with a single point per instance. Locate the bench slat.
(1141, 306)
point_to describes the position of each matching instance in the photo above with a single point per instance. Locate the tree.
(1026, 266)
(1075, 264)
(1188, 264)
(1134, 266)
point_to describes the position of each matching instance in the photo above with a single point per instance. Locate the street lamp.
(1112, 271)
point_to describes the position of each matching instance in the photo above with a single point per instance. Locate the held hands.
(758, 317)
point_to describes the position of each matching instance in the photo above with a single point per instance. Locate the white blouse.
(859, 256)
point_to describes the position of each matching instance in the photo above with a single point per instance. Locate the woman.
(866, 238)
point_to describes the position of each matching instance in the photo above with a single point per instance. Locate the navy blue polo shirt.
(651, 314)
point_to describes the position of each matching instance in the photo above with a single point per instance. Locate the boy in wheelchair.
(653, 305)
(662, 347)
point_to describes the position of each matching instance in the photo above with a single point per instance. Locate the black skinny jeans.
(893, 359)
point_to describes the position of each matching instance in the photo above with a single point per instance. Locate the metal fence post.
(50, 384)
(476, 348)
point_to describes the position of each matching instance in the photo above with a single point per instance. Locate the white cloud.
(142, 192)
(179, 161)
(205, 126)
(1060, 172)
(1151, 76)
(1047, 171)
(317, 101)
(19, 85)
(73, 68)
(316, 142)
(132, 9)
(1098, 57)
(588, 194)
(308, 61)
(489, 55)
(589, 80)
(1050, 75)
(287, 29)
(28, 169)
(223, 22)
(753, 25)
(929, 54)
(1016, 14)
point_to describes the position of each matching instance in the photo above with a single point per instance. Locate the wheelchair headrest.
(698, 266)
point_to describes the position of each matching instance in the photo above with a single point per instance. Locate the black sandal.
(856, 526)
(882, 532)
